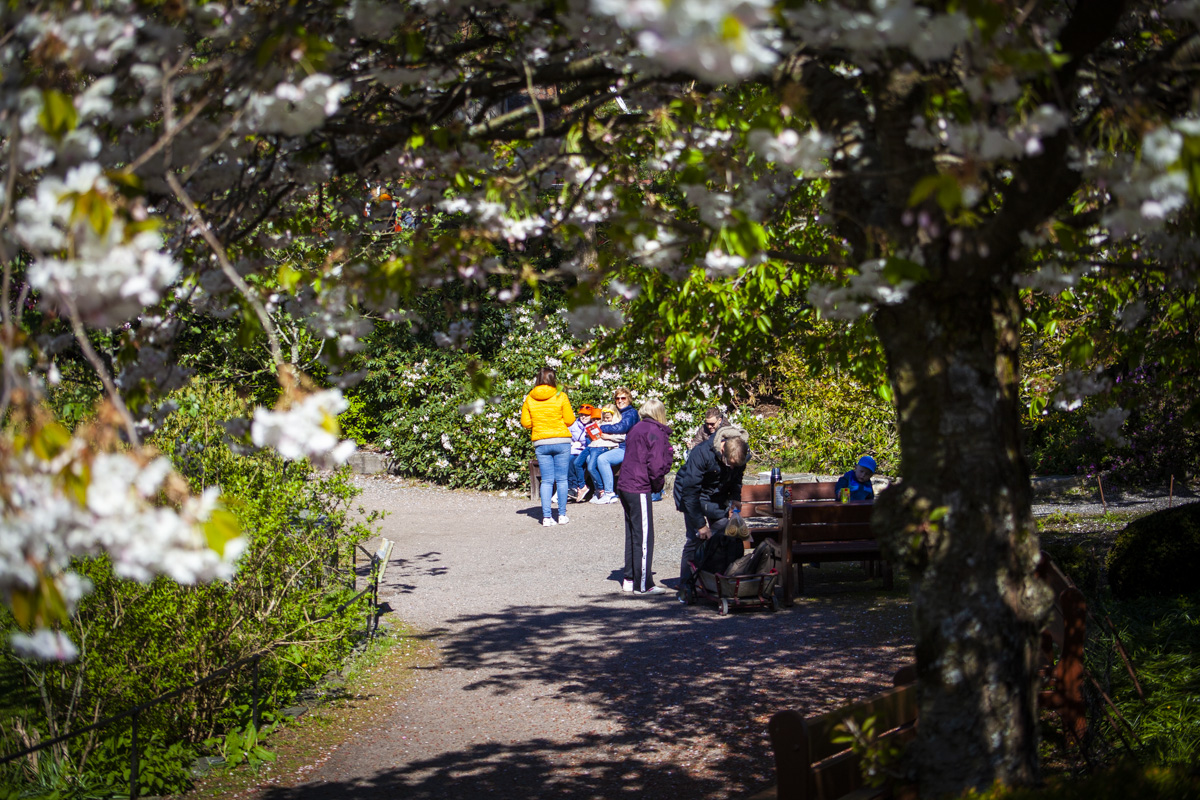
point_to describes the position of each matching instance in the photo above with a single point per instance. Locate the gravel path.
(552, 683)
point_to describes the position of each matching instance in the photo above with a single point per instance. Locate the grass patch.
(371, 685)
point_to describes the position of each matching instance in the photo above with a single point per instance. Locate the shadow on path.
(689, 693)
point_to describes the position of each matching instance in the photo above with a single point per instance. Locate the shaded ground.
(552, 682)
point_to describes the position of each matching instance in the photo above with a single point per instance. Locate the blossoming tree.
(918, 164)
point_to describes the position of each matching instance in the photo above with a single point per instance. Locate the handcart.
(737, 591)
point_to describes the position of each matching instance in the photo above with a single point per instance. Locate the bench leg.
(535, 481)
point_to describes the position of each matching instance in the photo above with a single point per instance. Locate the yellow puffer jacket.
(547, 411)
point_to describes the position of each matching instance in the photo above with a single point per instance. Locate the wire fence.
(378, 566)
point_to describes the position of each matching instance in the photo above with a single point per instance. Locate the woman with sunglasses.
(604, 464)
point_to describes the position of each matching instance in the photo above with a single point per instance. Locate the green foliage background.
(139, 640)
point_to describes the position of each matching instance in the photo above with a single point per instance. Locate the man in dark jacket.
(706, 487)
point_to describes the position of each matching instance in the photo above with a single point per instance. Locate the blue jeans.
(604, 465)
(576, 479)
(553, 460)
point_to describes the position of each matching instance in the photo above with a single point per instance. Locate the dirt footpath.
(553, 683)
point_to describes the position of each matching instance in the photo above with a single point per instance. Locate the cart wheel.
(724, 607)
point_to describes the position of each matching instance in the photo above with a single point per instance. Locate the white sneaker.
(548, 521)
(626, 586)
(563, 519)
(599, 498)
(654, 590)
(610, 498)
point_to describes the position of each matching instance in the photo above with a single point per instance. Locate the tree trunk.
(961, 522)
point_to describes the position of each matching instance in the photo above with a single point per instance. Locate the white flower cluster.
(720, 41)
(979, 140)
(86, 253)
(806, 153)
(883, 25)
(294, 109)
(91, 41)
(1051, 278)
(1074, 385)
(493, 217)
(308, 429)
(1153, 189)
(45, 525)
(1108, 424)
(456, 336)
(865, 291)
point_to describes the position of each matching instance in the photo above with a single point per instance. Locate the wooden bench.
(818, 532)
(809, 765)
(535, 478)
(756, 497)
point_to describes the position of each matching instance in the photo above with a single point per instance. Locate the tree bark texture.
(960, 520)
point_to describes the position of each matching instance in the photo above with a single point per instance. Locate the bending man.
(706, 487)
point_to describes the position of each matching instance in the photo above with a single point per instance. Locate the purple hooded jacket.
(648, 458)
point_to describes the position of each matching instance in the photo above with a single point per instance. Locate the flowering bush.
(432, 425)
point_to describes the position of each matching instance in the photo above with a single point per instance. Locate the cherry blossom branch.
(239, 283)
(110, 388)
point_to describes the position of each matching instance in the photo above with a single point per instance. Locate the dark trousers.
(639, 539)
(577, 474)
(690, 544)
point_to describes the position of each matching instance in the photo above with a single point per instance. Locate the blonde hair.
(655, 410)
(610, 410)
(737, 528)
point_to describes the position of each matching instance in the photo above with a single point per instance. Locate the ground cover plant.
(1159, 712)
(138, 639)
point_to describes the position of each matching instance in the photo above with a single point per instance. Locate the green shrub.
(1158, 554)
(825, 424)
(138, 640)
(1078, 564)
(1124, 782)
(413, 393)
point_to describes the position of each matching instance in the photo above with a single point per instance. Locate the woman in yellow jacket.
(547, 413)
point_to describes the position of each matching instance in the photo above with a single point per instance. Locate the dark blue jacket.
(648, 457)
(629, 418)
(706, 486)
(858, 491)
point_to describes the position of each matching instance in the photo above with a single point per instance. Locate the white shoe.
(610, 498)
(654, 590)
(548, 522)
(563, 519)
(599, 499)
(626, 586)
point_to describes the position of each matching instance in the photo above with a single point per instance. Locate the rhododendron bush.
(934, 167)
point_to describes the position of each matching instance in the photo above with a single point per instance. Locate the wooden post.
(1103, 502)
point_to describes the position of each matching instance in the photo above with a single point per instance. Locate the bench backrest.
(829, 522)
(810, 766)
(756, 500)
(817, 490)
(756, 497)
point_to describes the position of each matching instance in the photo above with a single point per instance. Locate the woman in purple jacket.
(648, 457)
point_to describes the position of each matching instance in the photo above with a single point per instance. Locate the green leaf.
(220, 529)
(58, 116)
(897, 270)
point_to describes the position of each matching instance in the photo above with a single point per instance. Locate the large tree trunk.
(961, 521)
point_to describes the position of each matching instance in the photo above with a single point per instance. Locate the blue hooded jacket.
(629, 418)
